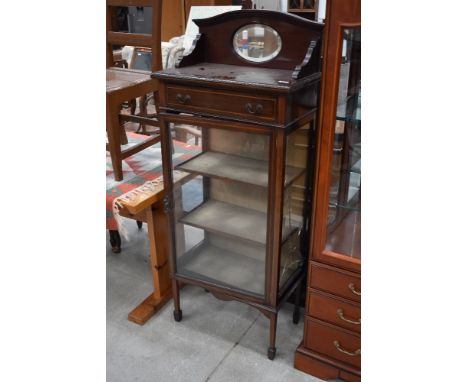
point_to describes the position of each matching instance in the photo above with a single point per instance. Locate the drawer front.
(335, 311)
(333, 342)
(224, 103)
(334, 282)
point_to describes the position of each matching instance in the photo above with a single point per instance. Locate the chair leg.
(139, 224)
(113, 126)
(115, 241)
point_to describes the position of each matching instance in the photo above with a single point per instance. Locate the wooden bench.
(147, 205)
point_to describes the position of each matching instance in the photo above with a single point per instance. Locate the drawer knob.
(251, 109)
(347, 352)
(353, 289)
(184, 99)
(341, 315)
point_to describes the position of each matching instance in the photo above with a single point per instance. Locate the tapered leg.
(297, 299)
(115, 242)
(139, 224)
(176, 297)
(123, 133)
(113, 135)
(143, 113)
(272, 348)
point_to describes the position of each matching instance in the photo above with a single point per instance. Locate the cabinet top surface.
(244, 76)
(257, 48)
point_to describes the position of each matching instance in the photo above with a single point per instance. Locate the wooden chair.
(125, 85)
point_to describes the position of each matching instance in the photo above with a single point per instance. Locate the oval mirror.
(257, 43)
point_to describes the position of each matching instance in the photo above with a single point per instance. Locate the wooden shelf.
(302, 10)
(235, 168)
(223, 267)
(233, 221)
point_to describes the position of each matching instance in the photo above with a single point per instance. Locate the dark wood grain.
(321, 338)
(334, 310)
(334, 280)
(127, 3)
(311, 62)
(214, 89)
(222, 102)
(278, 80)
(296, 32)
(323, 367)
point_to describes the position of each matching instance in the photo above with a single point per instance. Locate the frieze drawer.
(334, 310)
(340, 344)
(343, 284)
(218, 102)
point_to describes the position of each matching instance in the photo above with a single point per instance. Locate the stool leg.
(113, 126)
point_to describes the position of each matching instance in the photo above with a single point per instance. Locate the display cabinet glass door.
(293, 250)
(344, 212)
(221, 213)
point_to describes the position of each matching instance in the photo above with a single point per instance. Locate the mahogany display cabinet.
(331, 347)
(247, 94)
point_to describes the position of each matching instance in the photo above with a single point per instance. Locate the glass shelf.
(233, 221)
(235, 168)
(222, 266)
(350, 207)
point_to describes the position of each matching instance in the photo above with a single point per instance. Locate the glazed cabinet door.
(337, 233)
(221, 212)
(299, 153)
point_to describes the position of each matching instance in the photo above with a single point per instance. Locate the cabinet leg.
(297, 299)
(272, 348)
(176, 297)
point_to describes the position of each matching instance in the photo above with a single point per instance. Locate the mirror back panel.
(217, 34)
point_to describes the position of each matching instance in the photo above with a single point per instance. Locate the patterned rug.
(138, 169)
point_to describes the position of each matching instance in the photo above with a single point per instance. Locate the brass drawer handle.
(184, 99)
(353, 289)
(351, 353)
(249, 108)
(341, 315)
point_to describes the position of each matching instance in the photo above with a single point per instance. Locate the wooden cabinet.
(303, 8)
(331, 347)
(249, 89)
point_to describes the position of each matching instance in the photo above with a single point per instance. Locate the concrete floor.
(215, 341)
